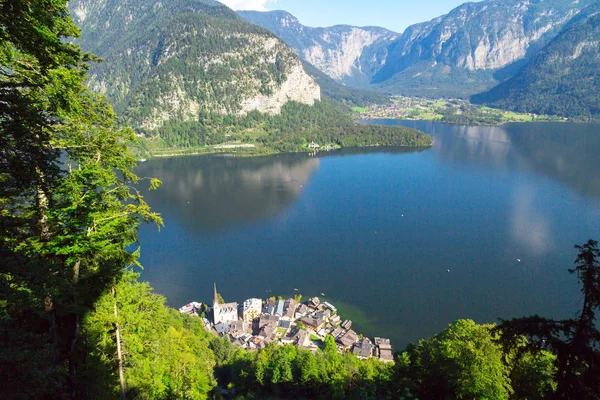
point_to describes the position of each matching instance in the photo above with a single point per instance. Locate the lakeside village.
(257, 323)
(449, 110)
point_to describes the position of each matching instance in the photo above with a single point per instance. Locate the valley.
(453, 111)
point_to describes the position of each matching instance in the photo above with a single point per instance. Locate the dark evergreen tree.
(576, 342)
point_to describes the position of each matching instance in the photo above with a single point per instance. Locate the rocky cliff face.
(171, 62)
(348, 54)
(472, 45)
(467, 51)
(563, 78)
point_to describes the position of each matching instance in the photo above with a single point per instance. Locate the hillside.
(473, 47)
(350, 55)
(563, 79)
(347, 95)
(173, 61)
(190, 76)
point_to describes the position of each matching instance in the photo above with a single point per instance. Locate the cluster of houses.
(256, 323)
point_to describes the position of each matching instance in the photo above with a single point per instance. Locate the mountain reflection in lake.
(562, 151)
(404, 240)
(212, 193)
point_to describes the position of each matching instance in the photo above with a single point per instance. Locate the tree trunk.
(74, 336)
(119, 353)
(73, 357)
(42, 208)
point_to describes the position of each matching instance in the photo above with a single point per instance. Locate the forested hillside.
(173, 61)
(194, 75)
(563, 79)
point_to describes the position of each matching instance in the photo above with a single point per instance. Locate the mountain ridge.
(172, 62)
(467, 51)
(349, 54)
(563, 79)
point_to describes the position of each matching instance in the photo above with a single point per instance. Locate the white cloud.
(259, 5)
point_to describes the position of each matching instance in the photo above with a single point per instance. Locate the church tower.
(215, 297)
(223, 312)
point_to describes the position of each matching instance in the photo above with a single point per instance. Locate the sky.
(395, 15)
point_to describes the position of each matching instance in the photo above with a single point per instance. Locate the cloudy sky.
(392, 14)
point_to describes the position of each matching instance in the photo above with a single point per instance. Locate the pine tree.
(68, 210)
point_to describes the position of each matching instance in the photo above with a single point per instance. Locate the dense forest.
(76, 322)
(326, 123)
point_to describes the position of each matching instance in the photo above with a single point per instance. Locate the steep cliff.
(348, 54)
(172, 61)
(563, 79)
(473, 47)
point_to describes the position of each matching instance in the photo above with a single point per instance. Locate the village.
(256, 323)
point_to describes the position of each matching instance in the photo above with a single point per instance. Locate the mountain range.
(349, 54)
(181, 61)
(465, 52)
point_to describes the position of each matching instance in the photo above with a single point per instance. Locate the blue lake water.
(402, 241)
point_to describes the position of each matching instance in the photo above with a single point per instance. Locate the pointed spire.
(215, 298)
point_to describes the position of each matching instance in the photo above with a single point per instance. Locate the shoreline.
(477, 124)
(150, 156)
(256, 323)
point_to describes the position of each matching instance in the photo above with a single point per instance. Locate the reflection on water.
(529, 225)
(211, 193)
(561, 151)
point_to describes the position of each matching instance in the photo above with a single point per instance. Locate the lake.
(403, 241)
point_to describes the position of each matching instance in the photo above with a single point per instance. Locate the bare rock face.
(342, 58)
(298, 87)
(562, 79)
(472, 42)
(171, 62)
(348, 54)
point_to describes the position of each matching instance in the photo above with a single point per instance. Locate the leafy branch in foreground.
(576, 342)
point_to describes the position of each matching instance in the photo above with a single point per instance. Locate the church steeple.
(215, 298)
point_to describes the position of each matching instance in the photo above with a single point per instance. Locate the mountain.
(473, 47)
(348, 54)
(563, 79)
(347, 95)
(467, 51)
(172, 61)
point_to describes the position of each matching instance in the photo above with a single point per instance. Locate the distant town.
(457, 111)
(256, 323)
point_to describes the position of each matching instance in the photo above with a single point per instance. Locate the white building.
(227, 312)
(251, 309)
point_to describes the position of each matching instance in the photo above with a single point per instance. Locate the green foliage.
(574, 342)
(68, 211)
(462, 362)
(289, 372)
(533, 375)
(298, 124)
(167, 354)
